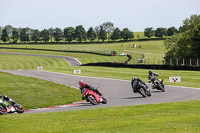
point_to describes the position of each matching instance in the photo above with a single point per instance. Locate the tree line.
(105, 31)
(186, 43)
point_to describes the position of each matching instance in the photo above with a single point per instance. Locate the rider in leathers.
(137, 83)
(88, 86)
(152, 77)
(8, 99)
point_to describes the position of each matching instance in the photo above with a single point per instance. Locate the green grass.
(10, 62)
(152, 50)
(139, 35)
(188, 78)
(35, 93)
(14, 62)
(181, 117)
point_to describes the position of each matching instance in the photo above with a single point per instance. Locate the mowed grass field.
(178, 117)
(33, 93)
(15, 62)
(152, 50)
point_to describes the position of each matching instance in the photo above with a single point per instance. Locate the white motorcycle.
(6, 107)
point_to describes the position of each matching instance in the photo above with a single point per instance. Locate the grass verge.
(188, 78)
(36, 93)
(152, 118)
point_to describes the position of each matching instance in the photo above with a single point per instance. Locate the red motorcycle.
(92, 97)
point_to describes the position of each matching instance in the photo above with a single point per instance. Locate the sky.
(136, 15)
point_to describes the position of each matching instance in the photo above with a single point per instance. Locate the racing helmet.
(134, 78)
(6, 97)
(82, 83)
(150, 72)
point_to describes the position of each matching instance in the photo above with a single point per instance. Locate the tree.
(51, 32)
(36, 36)
(80, 33)
(91, 34)
(102, 33)
(116, 34)
(4, 36)
(15, 35)
(186, 43)
(109, 28)
(97, 31)
(127, 34)
(58, 34)
(9, 31)
(171, 31)
(69, 33)
(24, 37)
(160, 32)
(45, 35)
(1, 28)
(149, 32)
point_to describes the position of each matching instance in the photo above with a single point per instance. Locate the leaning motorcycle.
(6, 107)
(142, 89)
(159, 84)
(93, 97)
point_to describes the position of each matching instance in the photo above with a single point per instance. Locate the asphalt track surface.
(117, 92)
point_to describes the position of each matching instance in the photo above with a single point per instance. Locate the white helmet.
(134, 78)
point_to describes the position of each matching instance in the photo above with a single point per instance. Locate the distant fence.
(145, 66)
(161, 61)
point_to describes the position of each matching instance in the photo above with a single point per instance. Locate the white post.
(190, 62)
(197, 62)
(183, 61)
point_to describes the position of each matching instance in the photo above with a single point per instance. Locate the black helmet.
(150, 72)
(6, 97)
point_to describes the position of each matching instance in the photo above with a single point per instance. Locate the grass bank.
(152, 118)
(152, 50)
(36, 93)
(188, 78)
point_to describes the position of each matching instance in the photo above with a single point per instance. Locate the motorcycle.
(159, 84)
(93, 97)
(142, 89)
(6, 107)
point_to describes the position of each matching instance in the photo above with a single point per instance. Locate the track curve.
(70, 60)
(117, 92)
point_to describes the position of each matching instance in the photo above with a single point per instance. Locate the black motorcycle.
(158, 84)
(141, 88)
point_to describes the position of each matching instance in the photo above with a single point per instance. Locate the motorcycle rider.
(152, 77)
(8, 99)
(88, 86)
(137, 83)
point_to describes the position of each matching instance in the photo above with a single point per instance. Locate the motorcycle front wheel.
(3, 110)
(92, 99)
(19, 108)
(141, 91)
(161, 86)
(104, 100)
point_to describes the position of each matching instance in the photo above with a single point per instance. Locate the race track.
(70, 60)
(117, 92)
